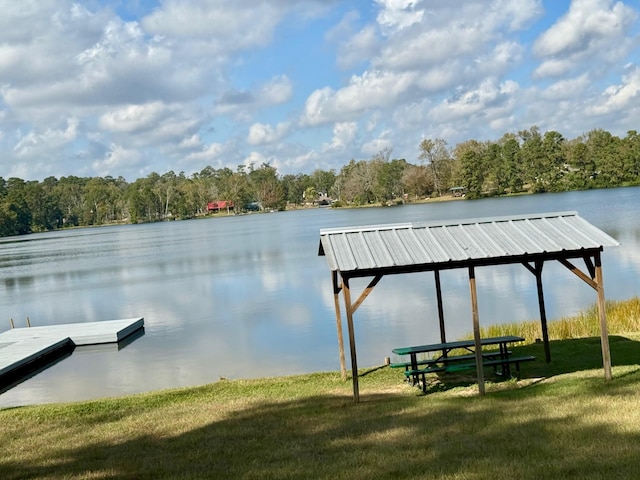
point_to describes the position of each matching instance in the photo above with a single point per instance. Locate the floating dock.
(29, 350)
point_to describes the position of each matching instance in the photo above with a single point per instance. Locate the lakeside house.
(216, 206)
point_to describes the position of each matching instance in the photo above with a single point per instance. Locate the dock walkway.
(29, 349)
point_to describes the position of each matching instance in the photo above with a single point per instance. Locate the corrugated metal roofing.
(434, 245)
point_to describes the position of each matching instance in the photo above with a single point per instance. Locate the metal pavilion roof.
(428, 246)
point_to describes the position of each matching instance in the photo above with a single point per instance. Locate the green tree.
(205, 187)
(267, 187)
(511, 164)
(357, 182)
(310, 195)
(581, 168)
(553, 145)
(416, 181)
(103, 200)
(235, 187)
(323, 180)
(145, 199)
(533, 159)
(436, 157)
(604, 149)
(471, 156)
(630, 147)
(8, 220)
(294, 187)
(41, 201)
(69, 193)
(17, 204)
(390, 179)
(166, 188)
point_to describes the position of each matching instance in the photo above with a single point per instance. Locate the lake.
(248, 296)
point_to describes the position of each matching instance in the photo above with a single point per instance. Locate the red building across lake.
(219, 205)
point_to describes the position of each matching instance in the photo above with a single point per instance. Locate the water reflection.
(248, 296)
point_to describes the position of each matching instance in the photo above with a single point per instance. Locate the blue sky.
(126, 88)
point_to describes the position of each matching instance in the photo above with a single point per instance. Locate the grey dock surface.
(24, 350)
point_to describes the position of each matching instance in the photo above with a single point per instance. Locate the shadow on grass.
(574, 355)
(524, 433)
(369, 371)
(387, 436)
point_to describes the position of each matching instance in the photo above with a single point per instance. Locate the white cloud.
(308, 160)
(450, 33)
(488, 95)
(377, 145)
(427, 48)
(517, 15)
(553, 68)
(570, 87)
(343, 135)
(242, 103)
(255, 158)
(372, 89)
(431, 46)
(399, 14)
(501, 59)
(220, 25)
(208, 155)
(191, 143)
(121, 66)
(591, 30)
(276, 91)
(260, 134)
(133, 118)
(35, 144)
(198, 82)
(586, 22)
(618, 97)
(362, 45)
(117, 159)
(150, 125)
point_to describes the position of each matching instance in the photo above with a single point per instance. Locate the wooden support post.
(543, 312)
(476, 330)
(11, 323)
(443, 335)
(28, 322)
(336, 302)
(598, 285)
(352, 341)
(604, 334)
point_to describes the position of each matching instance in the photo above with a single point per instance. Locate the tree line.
(524, 162)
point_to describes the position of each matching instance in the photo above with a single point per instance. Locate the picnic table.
(501, 357)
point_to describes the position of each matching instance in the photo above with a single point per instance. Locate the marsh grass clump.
(622, 316)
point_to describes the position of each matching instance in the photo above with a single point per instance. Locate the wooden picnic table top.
(457, 344)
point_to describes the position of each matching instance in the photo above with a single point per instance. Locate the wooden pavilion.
(530, 240)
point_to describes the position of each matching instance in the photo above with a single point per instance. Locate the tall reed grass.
(622, 316)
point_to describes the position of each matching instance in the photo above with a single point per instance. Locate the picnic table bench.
(457, 358)
(417, 369)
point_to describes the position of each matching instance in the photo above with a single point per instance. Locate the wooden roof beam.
(579, 273)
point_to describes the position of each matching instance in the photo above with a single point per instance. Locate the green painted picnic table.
(444, 362)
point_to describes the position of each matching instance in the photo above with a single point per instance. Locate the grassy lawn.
(560, 420)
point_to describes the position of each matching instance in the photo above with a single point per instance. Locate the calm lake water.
(248, 296)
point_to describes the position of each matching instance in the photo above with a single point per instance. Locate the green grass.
(560, 420)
